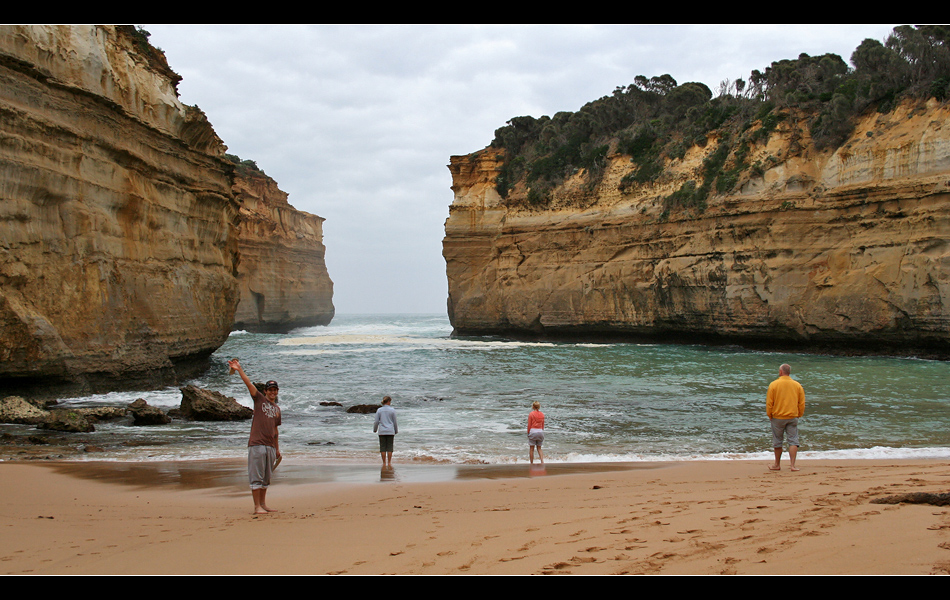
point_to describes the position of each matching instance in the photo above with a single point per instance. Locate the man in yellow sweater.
(785, 404)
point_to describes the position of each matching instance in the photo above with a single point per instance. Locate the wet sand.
(714, 517)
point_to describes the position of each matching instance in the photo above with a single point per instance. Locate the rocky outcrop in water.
(198, 404)
(14, 409)
(144, 415)
(282, 274)
(68, 421)
(845, 249)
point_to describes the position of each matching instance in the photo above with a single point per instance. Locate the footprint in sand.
(576, 560)
(527, 546)
(511, 558)
(467, 565)
(557, 567)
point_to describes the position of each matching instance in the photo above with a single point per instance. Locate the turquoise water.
(467, 400)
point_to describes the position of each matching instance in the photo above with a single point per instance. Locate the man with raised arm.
(263, 450)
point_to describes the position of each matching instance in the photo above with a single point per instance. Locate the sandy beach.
(716, 517)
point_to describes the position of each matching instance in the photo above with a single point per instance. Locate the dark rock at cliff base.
(207, 405)
(364, 409)
(143, 414)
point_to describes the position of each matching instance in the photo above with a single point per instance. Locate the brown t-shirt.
(265, 423)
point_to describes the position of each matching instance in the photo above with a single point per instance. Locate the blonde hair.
(535, 405)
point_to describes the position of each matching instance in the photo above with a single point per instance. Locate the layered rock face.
(118, 245)
(846, 250)
(282, 273)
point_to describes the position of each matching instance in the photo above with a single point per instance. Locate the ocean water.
(466, 400)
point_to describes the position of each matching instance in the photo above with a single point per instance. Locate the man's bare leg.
(260, 503)
(792, 453)
(778, 459)
(263, 501)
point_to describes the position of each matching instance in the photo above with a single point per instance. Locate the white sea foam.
(394, 340)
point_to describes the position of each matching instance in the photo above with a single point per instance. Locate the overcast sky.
(357, 123)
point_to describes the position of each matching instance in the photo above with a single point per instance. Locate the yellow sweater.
(785, 399)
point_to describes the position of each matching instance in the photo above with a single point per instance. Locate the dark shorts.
(386, 443)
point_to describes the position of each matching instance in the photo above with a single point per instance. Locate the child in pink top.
(535, 431)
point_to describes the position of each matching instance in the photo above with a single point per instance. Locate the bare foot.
(795, 469)
(268, 509)
(775, 468)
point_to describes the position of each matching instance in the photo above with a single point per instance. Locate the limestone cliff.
(282, 274)
(845, 249)
(118, 245)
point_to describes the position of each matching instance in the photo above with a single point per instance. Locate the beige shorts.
(784, 428)
(535, 437)
(260, 465)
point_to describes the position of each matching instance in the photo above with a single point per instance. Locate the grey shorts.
(535, 437)
(386, 443)
(784, 428)
(260, 465)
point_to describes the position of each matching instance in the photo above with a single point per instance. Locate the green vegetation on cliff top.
(244, 167)
(654, 120)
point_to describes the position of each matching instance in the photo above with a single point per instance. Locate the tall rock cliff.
(282, 273)
(118, 244)
(845, 250)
